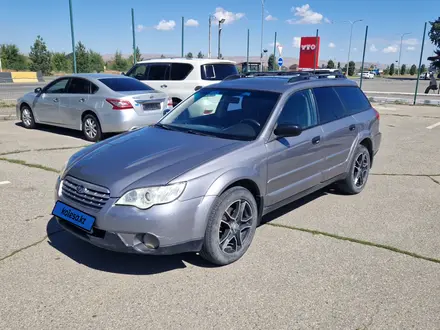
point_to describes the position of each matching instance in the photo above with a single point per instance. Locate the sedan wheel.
(91, 128)
(231, 226)
(27, 117)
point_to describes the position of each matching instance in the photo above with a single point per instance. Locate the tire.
(91, 128)
(354, 183)
(221, 244)
(27, 117)
(176, 102)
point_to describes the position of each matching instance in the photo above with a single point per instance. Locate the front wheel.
(27, 117)
(91, 128)
(231, 226)
(359, 170)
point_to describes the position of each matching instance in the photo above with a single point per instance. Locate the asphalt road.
(370, 261)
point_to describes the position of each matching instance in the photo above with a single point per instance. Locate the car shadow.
(115, 262)
(134, 264)
(63, 131)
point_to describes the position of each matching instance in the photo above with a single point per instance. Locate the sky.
(105, 26)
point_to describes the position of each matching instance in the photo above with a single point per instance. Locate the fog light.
(150, 241)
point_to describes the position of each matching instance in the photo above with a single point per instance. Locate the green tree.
(189, 55)
(120, 63)
(351, 68)
(413, 70)
(330, 64)
(339, 65)
(391, 69)
(423, 68)
(403, 69)
(60, 62)
(162, 56)
(40, 57)
(272, 65)
(200, 55)
(138, 56)
(434, 35)
(82, 58)
(96, 62)
(386, 72)
(12, 59)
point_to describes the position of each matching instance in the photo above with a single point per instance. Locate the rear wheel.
(91, 128)
(359, 170)
(231, 226)
(27, 117)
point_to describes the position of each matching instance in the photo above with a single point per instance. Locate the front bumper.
(174, 228)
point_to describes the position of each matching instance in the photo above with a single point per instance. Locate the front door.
(46, 106)
(295, 163)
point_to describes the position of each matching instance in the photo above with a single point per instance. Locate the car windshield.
(125, 84)
(224, 113)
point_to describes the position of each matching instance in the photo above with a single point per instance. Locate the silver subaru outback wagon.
(202, 177)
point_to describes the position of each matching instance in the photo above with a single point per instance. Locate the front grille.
(85, 193)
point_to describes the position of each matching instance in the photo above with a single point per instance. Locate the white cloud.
(192, 22)
(373, 48)
(140, 28)
(229, 16)
(296, 42)
(410, 42)
(391, 49)
(327, 21)
(165, 25)
(271, 18)
(411, 48)
(271, 44)
(308, 16)
(331, 45)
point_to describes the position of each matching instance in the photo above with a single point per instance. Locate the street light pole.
(220, 22)
(349, 45)
(209, 38)
(262, 31)
(73, 36)
(400, 50)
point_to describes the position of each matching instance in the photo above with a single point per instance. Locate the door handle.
(55, 99)
(163, 86)
(316, 140)
(81, 100)
(352, 127)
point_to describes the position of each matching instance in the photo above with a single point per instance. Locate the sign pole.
(420, 65)
(134, 37)
(314, 53)
(275, 47)
(363, 55)
(73, 36)
(247, 53)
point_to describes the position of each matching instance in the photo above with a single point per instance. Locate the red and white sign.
(309, 48)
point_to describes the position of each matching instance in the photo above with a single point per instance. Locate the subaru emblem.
(80, 189)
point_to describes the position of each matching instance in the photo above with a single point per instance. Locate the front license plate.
(151, 106)
(74, 216)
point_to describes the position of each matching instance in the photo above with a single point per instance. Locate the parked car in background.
(93, 103)
(200, 181)
(180, 77)
(367, 75)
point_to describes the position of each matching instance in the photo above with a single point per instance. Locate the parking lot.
(370, 261)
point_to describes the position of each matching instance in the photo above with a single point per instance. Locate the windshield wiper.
(164, 126)
(190, 131)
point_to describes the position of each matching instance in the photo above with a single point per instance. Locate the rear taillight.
(377, 114)
(120, 104)
(170, 103)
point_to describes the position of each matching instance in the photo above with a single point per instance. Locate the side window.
(179, 71)
(299, 110)
(353, 99)
(57, 87)
(330, 107)
(139, 72)
(78, 86)
(94, 88)
(159, 72)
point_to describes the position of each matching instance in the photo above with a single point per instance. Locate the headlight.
(144, 198)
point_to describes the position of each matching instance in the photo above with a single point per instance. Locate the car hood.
(146, 157)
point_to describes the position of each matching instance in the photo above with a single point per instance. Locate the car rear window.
(218, 71)
(353, 99)
(125, 84)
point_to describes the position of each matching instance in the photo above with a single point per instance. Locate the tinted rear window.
(353, 99)
(330, 107)
(125, 84)
(217, 71)
(179, 71)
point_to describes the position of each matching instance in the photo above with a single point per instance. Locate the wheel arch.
(88, 112)
(368, 143)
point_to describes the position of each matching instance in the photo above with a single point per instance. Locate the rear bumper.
(116, 121)
(377, 139)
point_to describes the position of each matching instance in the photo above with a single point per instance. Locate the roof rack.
(294, 75)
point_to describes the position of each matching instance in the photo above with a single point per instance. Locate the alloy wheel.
(26, 117)
(361, 168)
(235, 226)
(90, 128)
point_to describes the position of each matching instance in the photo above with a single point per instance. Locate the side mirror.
(37, 90)
(165, 112)
(287, 130)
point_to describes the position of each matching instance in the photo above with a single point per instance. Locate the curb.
(21, 77)
(392, 100)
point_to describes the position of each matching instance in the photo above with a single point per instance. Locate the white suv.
(179, 77)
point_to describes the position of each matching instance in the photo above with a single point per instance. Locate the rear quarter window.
(217, 71)
(329, 105)
(125, 84)
(179, 71)
(353, 99)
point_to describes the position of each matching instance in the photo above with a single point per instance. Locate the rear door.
(159, 76)
(46, 106)
(75, 102)
(295, 163)
(340, 131)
